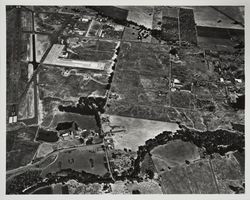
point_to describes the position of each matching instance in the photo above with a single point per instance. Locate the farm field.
(26, 20)
(126, 109)
(83, 54)
(182, 99)
(21, 146)
(173, 154)
(195, 178)
(56, 82)
(169, 28)
(140, 14)
(48, 107)
(26, 47)
(130, 33)
(125, 100)
(18, 50)
(90, 161)
(157, 18)
(228, 172)
(170, 24)
(133, 132)
(83, 121)
(115, 12)
(46, 136)
(202, 18)
(44, 149)
(23, 79)
(27, 104)
(89, 44)
(216, 44)
(187, 26)
(192, 66)
(48, 161)
(138, 87)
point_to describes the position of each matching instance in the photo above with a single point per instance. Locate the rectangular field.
(53, 59)
(20, 147)
(89, 160)
(187, 26)
(68, 84)
(133, 132)
(193, 179)
(134, 84)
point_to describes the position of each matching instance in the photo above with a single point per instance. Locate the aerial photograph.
(125, 99)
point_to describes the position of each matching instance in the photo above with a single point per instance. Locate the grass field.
(195, 178)
(92, 44)
(228, 172)
(207, 16)
(53, 83)
(112, 11)
(173, 154)
(169, 28)
(182, 99)
(83, 54)
(141, 93)
(26, 47)
(134, 132)
(26, 19)
(217, 44)
(48, 107)
(48, 161)
(142, 15)
(187, 26)
(44, 149)
(83, 121)
(17, 50)
(42, 44)
(27, 104)
(90, 161)
(193, 66)
(157, 18)
(130, 33)
(20, 147)
(127, 109)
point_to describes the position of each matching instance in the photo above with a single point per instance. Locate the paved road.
(54, 38)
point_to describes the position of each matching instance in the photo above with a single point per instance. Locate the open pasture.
(88, 160)
(136, 131)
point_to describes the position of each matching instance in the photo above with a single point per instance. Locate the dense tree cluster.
(22, 181)
(219, 141)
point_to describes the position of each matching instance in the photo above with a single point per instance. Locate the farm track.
(214, 177)
(228, 16)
